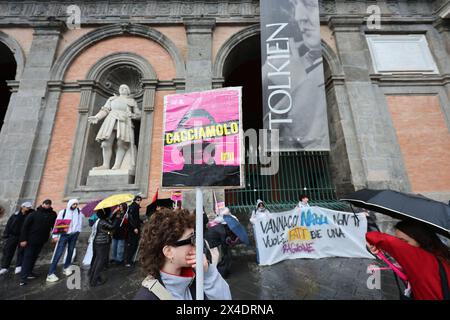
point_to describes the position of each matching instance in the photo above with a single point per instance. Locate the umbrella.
(88, 209)
(166, 203)
(404, 206)
(216, 235)
(114, 201)
(237, 228)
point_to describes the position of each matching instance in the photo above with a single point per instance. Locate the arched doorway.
(299, 172)
(8, 66)
(243, 68)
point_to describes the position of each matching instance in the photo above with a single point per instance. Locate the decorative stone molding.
(228, 46)
(328, 53)
(107, 11)
(93, 90)
(389, 56)
(122, 64)
(13, 85)
(99, 34)
(170, 11)
(199, 25)
(345, 23)
(410, 80)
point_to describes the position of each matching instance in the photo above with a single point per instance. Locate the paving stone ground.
(299, 279)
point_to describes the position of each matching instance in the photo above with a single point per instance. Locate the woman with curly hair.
(168, 259)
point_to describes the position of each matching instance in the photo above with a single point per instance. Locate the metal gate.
(299, 173)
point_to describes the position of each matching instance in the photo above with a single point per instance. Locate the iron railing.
(299, 173)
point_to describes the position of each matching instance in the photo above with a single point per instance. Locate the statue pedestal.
(102, 178)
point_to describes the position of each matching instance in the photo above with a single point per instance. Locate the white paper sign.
(312, 232)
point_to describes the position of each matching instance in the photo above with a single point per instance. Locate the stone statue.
(118, 113)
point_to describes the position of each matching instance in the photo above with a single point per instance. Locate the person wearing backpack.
(68, 236)
(425, 260)
(168, 258)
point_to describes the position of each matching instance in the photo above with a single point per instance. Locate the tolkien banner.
(202, 139)
(292, 74)
(313, 232)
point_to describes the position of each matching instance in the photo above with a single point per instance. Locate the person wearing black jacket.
(12, 235)
(35, 233)
(134, 227)
(119, 237)
(102, 243)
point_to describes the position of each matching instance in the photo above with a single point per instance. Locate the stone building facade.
(388, 108)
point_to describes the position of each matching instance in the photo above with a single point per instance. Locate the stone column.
(87, 88)
(198, 78)
(199, 64)
(379, 153)
(22, 154)
(443, 27)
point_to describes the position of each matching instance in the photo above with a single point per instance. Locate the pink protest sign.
(203, 139)
(177, 196)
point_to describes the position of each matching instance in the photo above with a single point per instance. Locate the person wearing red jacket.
(416, 248)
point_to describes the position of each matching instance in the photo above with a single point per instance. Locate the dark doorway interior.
(243, 68)
(8, 72)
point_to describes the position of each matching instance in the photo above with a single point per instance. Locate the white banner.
(312, 232)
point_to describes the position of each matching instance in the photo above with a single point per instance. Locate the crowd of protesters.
(167, 248)
(28, 230)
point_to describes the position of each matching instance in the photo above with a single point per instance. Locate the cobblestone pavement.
(300, 279)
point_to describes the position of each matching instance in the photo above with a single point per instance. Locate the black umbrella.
(404, 206)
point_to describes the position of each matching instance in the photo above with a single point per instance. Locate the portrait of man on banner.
(292, 71)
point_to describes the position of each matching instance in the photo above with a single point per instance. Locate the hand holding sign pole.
(202, 148)
(199, 243)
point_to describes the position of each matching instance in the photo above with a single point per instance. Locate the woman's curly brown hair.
(165, 227)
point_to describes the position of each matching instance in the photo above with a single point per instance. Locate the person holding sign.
(168, 257)
(303, 202)
(72, 220)
(260, 211)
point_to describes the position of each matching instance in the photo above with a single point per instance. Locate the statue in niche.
(118, 112)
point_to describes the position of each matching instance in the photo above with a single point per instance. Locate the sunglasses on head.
(190, 240)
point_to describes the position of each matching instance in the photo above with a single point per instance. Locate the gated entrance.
(299, 172)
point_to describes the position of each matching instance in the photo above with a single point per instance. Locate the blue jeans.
(71, 241)
(118, 248)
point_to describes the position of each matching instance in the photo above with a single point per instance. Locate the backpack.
(444, 284)
(444, 281)
(155, 287)
(161, 293)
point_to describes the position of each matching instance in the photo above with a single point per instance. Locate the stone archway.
(11, 63)
(335, 164)
(16, 51)
(8, 66)
(99, 34)
(102, 81)
(91, 91)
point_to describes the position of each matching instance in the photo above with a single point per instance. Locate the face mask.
(261, 209)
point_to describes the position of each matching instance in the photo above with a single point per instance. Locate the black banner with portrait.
(292, 74)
